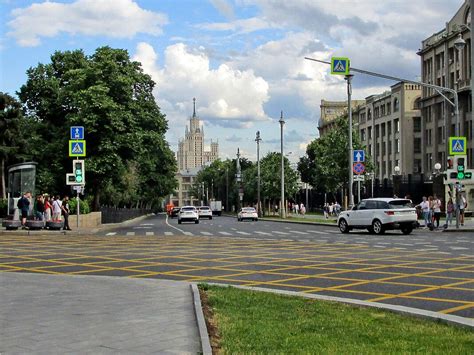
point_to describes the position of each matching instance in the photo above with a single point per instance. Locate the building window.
(384, 150)
(396, 105)
(397, 125)
(397, 146)
(440, 134)
(383, 129)
(417, 145)
(389, 129)
(362, 134)
(389, 148)
(370, 133)
(389, 108)
(417, 166)
(417, 124)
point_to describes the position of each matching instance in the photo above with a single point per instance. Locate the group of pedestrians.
(331, 209)
(431, 211)
(298, 208)
(45, 208)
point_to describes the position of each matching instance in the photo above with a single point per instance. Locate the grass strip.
(244, 321)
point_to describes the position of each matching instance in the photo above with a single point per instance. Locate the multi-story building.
(191, 157)
(389, 126)
(445, 64)
(330, 110)
(191, 153)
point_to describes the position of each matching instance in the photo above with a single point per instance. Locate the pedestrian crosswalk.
(289, 233)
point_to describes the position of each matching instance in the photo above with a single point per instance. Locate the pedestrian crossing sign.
(340, 65)
(457, 145)
(77, 148)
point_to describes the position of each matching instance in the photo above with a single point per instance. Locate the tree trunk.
(3, 185)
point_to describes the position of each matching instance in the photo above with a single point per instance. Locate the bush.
(3, 207)
(84, 205)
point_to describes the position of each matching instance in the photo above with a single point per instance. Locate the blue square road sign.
(359, 156)
(77, 133)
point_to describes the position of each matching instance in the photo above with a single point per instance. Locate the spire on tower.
(194, 107)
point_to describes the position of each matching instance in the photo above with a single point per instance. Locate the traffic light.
(78, 171)
(460, 169)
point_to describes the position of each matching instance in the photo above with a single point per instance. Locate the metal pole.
(358, 191)
(78, 209)
(306, 188)
(227, 189)
(282, 198)
(351, 150)
(258, 139)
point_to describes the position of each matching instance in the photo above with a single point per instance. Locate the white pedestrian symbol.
(339, 67)
(77, 149)
(458, 146)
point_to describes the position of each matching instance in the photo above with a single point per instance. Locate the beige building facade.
(330, 110)
(444, 64)
(191, 157)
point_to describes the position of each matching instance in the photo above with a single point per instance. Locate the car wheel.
(377, 227)
(179, 221)
(196, 221)
(343, 227)
(210, 218)
(256, 219)
(406, 230)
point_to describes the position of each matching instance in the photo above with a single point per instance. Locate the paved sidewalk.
(55, 314)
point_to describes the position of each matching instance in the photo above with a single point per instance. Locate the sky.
(243, 60)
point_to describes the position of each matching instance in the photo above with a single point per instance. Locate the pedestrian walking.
(326, 210)
(462, 208)
(297, 208)
(425, 210)
(449, 212)
(57, 209)
(337, 208)
(302, 209)
(39, 208)
(23, 205)
(331, 209)
(436, 206)
(65, 212)
(47, 208)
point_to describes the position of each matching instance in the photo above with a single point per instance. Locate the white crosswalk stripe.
(150, 233)
(263, 233)
(298, 232)
(206, 233)
(318, 232)
(188, 233)
(130, 233)
(111, 233)
(225, 233)
(278, 232)
(168, 233)
(243, 233)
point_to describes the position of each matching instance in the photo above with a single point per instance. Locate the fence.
(117, 215)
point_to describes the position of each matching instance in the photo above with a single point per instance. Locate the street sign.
(77, 148)
(359, 156)
(77, 133)
(340, 65)
(358, 177)
(457, 145)
(358, 168)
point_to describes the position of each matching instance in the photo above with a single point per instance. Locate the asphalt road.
(426, 270)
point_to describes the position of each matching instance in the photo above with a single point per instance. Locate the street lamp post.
(282, 198)
(239, 180)
(258, 140)
(351, 150)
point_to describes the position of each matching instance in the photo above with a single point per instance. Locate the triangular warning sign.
(77, 149)
(458, 146)
(339, 67)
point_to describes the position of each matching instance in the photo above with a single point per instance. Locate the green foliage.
(326, 163)
(251, 322)
(3, 207)
(83, 205)
(128, 159)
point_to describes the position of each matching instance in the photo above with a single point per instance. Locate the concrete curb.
(201, 322)
(439, 317)
(299, 222)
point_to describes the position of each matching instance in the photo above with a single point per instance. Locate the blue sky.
(243, 60)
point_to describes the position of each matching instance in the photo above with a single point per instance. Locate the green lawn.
(261, 322)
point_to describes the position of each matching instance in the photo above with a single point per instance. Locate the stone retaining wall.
(89, 220)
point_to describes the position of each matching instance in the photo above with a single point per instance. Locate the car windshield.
(397, 204)
(204, 208)
(187, 209)
(248, 209)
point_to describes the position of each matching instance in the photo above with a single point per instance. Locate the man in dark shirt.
(65, 212)
(39, 208)
(23, 205)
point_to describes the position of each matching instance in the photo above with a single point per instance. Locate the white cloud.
(240, 26)
(118, 19)
(224, 7)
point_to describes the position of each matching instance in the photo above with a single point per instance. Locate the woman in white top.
(57, 209)
(436, 203)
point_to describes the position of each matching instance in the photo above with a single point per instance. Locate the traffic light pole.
(77, 206)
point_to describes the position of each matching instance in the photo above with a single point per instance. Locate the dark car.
(174, 212)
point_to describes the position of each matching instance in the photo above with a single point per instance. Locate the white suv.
(205, 212)
(188, 213)
(378, 215)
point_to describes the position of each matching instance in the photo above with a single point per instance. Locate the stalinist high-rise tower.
(191, 153)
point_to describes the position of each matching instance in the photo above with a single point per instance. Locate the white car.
(205, 212)
(378, 215)
(247, 213)
(188, 213)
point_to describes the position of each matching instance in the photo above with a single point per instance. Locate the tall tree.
(112, 98)
(326, 163)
